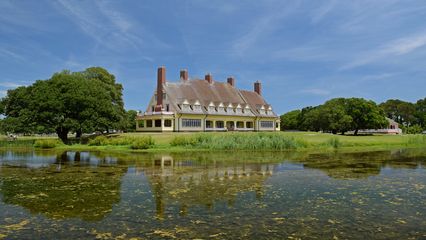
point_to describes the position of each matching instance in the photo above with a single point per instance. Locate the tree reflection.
(67, 189)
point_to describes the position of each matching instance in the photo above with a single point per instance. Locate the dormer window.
(230, 109)
(262, 110)
(185, 106)
(211, 107)
(239, 109)
(221, 108)
(197, 106)
(269, 112)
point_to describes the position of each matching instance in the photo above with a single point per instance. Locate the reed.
(239, 141)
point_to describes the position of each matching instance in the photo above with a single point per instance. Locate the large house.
(205, 105)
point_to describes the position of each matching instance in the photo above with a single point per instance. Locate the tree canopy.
(77, 102)
(337, 115)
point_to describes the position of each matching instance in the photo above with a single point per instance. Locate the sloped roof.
(216, 92)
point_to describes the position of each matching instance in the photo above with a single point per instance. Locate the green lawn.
(310, 141)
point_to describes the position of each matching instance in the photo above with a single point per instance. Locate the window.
(141, 123)
(167, 107)
(220, 124)
(152, 108)
(167, 123)
(266, 124)
(191, 122)
(249, 124)
(209, 124)
(148, 123)
(240, 124)
(277, 125)
(158, 123)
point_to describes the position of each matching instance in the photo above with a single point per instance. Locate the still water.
(88, 195)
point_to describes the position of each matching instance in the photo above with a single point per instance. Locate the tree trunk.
(78, 133)
(356, 132)
(62, 134)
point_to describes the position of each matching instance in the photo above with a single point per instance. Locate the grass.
(250, 141)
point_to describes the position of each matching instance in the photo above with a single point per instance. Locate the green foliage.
(130, 125)
(334, 143)
(239, 141)
(69, 101)
(144, 142)
(400, 111)
(414, 129)
(289, 121)
(421, 112)
(416, 140)
(98, 141)
(4, 143)
(46, 143)
(337, 115)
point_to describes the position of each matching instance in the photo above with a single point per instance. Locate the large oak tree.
(77, 102)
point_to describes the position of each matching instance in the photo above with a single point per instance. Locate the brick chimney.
(258, 87)
(231, 81)
(184, 74)
(161, 79)
(209, 78)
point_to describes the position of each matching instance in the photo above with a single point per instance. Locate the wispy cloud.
(396, 47)
(106, 25)
(7, 53)
(11, 84)
(319, 13)
(262, 26)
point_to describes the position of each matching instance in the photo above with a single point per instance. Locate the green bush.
(142, 143)
(414, 129)
(134, 142)
(98, 141)
(46, 143)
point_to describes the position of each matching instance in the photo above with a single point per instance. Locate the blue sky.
(304, 52)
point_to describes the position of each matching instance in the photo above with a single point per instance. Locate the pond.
(86, 195)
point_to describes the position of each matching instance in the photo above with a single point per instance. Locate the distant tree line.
(68, 102)
(340, 115)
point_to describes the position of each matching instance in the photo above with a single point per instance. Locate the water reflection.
(64, 187)
(191, 195)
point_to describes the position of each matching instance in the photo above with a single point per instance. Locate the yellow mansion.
(205, 105)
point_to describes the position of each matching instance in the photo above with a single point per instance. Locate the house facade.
(203, 105)
(392, 128)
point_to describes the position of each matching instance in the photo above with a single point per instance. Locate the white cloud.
(3, 93)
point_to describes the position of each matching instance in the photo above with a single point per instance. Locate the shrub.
(142, 143)
(98, 141)
(46, 143)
